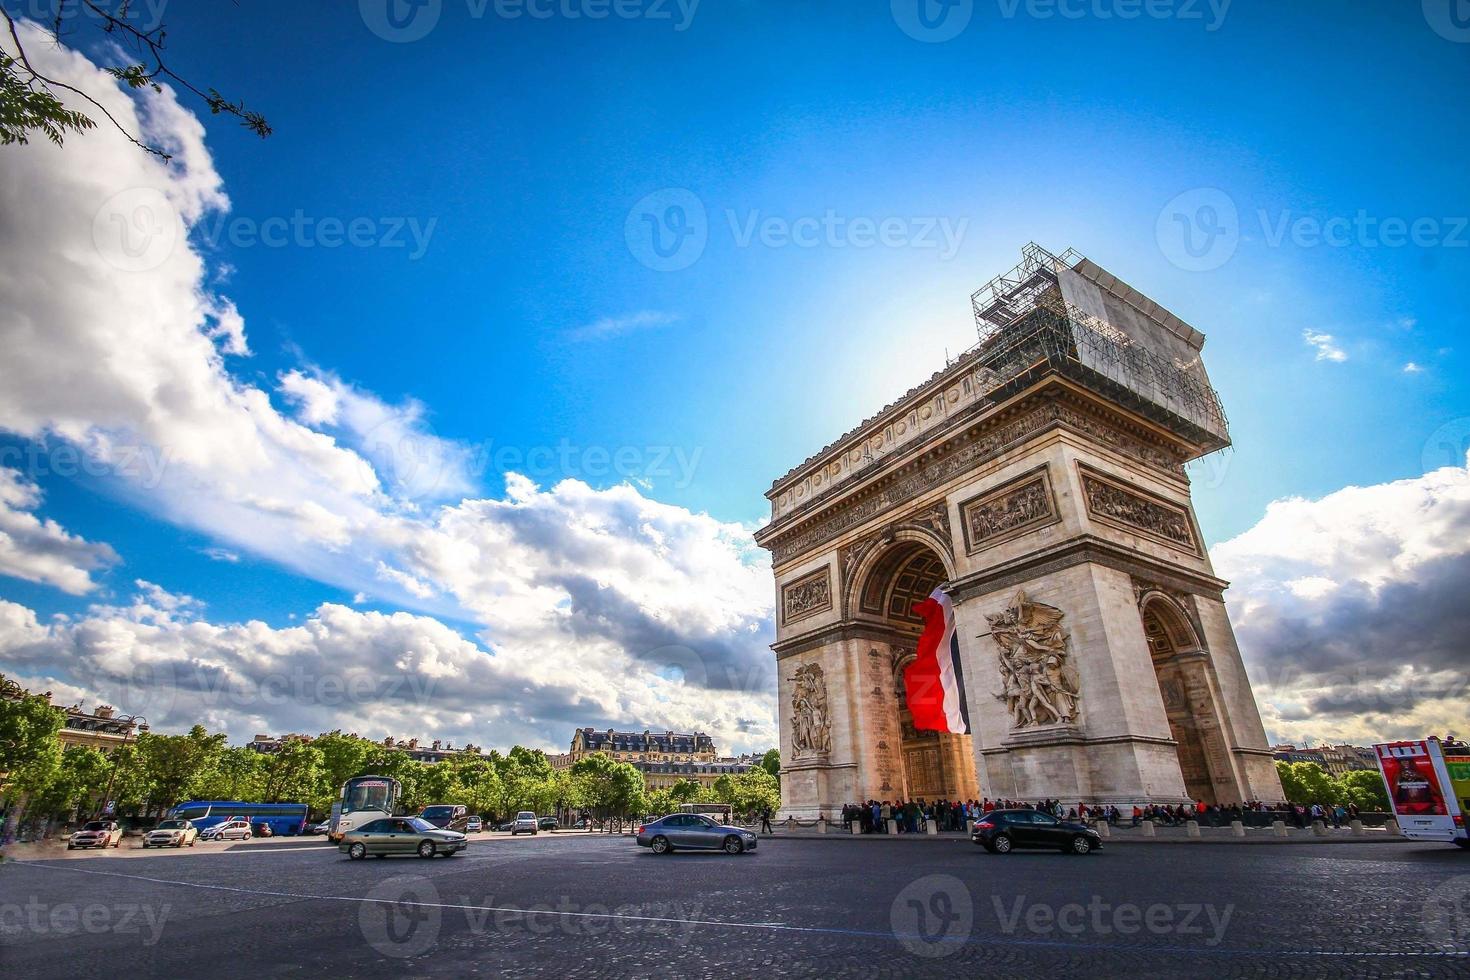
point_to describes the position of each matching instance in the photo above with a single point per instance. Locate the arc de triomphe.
(1040, 477)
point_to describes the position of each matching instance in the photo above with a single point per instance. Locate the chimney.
(388, 742)
(413, 743)
(436, 745)
(103, 710)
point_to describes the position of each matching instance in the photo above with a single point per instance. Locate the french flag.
(933, 682)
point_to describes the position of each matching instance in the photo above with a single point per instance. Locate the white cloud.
(1413, 368)
(1350, 609)
(41, 550)
(616, 326)
(1325, 345)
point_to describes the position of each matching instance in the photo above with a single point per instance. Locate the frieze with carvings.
(807, 596)
(1039, 684)
(1009, 511)
(965, 456)
(1151, 517)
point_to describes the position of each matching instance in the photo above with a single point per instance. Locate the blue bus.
(285, 819)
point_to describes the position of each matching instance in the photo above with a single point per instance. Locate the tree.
(238, 775)
(174, 765)
(771, 763)
(343, 756)
(29, 750)
(292, 773)
(1364, 788)
(606, 787)
(30, 101)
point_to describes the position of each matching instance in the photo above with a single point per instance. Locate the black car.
(1001, 830)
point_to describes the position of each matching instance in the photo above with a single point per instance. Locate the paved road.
(604, 907)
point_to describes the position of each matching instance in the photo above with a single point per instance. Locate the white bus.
(363, 798)
(1428, 785)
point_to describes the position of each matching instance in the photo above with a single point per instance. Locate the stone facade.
(1046, 490)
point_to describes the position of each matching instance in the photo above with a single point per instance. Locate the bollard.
(1355, 827)
(1103, 830)
(1278, 827)
(969, 825)
(1148, 828)
(1237, 829)
(856, 828)
(1191, 829)
(931, 827)
(1319, 828)
(1391, 825)
(892, 827)
(821, 825)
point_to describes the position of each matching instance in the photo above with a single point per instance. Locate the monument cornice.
(1047, 403)
(838, 632)
(1082, 550)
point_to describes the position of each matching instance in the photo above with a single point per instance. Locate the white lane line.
(778, 926)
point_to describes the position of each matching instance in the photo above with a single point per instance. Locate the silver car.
(694, 832)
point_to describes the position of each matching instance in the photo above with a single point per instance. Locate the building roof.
(645, 741)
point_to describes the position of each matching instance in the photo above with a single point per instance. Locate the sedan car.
(172, 833)
(1001, 831)
(694, 832)
(325, 827)
(96, 833)
(228, 830)
(474, 825)
(548, 823)
(401, 835)
(525, 822)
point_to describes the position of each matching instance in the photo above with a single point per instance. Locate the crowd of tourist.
(915, 816)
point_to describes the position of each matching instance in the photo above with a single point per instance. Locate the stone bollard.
(1103, 830)
(1278, 827)
(1191, 829)
(1237, 829)
(1355, 827)
(1391, 825)
(856, 828)
(892, 827)
(1148, 828)
(969, 826)
(1319, 828)
(931, 827)
(821, 825)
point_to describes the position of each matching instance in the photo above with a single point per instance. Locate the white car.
(325, 827)
(97, 833)
(525, 821)
(229, 830)
(172, 833)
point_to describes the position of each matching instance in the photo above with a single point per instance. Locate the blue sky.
(500, 164)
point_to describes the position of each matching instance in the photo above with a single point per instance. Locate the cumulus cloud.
(1325, 344)
(41, 550)
(1350, 609)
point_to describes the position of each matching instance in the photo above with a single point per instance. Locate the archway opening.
(1176, 657)
(917, 765)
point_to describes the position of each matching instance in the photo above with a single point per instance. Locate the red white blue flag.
(933, 682)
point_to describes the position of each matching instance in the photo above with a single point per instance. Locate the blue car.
(693, 832)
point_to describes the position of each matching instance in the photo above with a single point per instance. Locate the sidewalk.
(1128, 835)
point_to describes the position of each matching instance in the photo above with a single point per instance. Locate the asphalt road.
(569, 905)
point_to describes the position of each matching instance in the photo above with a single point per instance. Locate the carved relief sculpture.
(807, 596)
(1039, 684)
(1153, 518)
(1007, 512)
(811, 725)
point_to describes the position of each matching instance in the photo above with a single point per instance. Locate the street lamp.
(141, 724)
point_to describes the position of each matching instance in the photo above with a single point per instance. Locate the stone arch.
(879, 556)
(1182, 667)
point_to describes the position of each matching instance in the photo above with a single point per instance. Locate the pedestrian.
(766, 821)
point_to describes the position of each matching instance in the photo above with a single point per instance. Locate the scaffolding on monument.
(1025, 325)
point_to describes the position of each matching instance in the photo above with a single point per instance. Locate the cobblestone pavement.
(580, 906)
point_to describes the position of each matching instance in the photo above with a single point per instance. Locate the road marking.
(773, 926)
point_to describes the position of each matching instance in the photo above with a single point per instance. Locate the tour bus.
(284, 819)
(1428, 783)
(364, 798)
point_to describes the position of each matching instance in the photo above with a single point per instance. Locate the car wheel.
(426, 849)
(733, 845)
(358, 851)
(1001, 844)
(535, 832)
(145, 845)
(660, 845)
(71, 847)
(1081, 845)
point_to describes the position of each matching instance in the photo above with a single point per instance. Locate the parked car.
(401, 835)
(694, 832)
(525, 822)
(547, 823)
(447, 816)
(228, 830)
(325, 827)
(473, 825)
(96, 833)
(264, 830)
(1001, 831)
(172, 833)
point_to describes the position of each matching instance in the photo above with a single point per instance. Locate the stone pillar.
(821, 825)
(892, 827)
(1392, 826)
(1103, 830)
(931, 827)
(1237, 829)
(1319, 828)
(1356, 827)
(856, 828)
(1278, 827)
(1148, 828)
(1191, 829)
